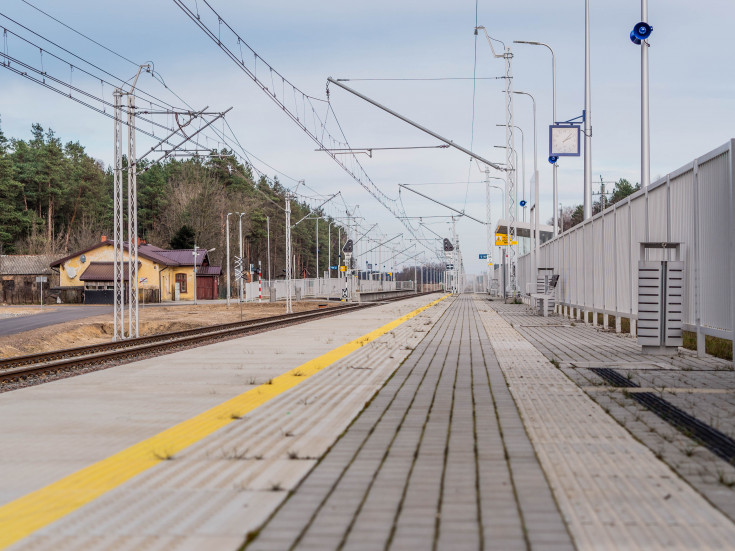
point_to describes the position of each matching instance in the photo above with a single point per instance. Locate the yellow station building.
(163, 274)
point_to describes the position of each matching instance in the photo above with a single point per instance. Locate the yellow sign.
(343, 268)
(501, 240)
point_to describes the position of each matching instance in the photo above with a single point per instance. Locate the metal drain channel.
(715, 441)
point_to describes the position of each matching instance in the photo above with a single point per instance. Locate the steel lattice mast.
(133, 326)
(119, 285)
(512, 207)
(289, 282)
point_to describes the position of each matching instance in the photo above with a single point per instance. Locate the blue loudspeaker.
(553, 159)
(633, 39)
(523, 203)
(641, 31)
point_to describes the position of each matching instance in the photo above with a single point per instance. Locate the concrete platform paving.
(613, 490)
(438, 460)
(477, 441)
(211, 493)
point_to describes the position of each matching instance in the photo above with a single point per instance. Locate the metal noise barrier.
(694, 205)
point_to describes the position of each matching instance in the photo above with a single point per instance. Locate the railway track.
(37, 368)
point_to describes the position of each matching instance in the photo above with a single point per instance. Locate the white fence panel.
(597, 260)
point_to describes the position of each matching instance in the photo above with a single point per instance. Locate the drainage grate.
(715, 441)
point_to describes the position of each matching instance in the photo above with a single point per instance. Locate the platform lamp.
(639, 36)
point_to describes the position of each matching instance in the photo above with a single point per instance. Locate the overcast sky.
(692, 87)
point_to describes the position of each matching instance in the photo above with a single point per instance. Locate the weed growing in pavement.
(555, 362)
(252, 381)
(235, 416)
(163, 456)
(234, 454)
(276, 487)
(723, 479)
(292, 454)
(689, 450)
(659, 454)
(298, 373)
(573, 324)
(269, 382)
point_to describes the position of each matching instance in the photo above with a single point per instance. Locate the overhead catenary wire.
(67, 89)
(311, 123)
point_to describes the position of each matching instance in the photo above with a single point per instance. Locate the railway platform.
(430, 423)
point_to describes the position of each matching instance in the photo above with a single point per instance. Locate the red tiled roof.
(209, 270)
(178, 257)
(183, 257)
(102, 271)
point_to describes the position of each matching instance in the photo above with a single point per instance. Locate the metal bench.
(545, 297)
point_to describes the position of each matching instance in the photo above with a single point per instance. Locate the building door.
(205, 288)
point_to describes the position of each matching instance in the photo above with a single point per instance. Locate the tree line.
(56, 199)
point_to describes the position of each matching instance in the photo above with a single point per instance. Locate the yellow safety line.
(25, 515)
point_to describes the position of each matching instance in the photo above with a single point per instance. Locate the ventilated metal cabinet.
(660, 299)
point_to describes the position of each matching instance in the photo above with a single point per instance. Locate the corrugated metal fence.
(324, 288)
(597, 260)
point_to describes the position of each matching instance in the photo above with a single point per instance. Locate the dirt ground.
(153, 320)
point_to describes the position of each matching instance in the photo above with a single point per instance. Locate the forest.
(56, 199)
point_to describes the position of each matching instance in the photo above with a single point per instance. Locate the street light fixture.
(227, 240)
(553, 115)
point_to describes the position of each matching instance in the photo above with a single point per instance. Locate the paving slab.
(212, 492)
(438, 459)
(614, 492)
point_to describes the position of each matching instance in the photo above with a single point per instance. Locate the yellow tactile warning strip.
(29, 513)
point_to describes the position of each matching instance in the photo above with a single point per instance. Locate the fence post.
(732, 247)
(697, 263)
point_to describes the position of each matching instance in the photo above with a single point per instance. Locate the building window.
(181, 280)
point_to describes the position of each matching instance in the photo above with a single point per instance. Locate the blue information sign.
(483, 256)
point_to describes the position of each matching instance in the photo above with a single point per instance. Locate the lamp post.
(227, 240)
(317, 252)
(553, 115)
(241, 259)
(268, 230)
(329, 249)
(645, 134)
(195, 273)
(537, 202)
(587, 116)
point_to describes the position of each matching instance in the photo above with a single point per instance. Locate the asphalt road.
(11, 326)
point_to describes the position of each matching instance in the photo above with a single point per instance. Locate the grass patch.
(720, 348)
(624, 325)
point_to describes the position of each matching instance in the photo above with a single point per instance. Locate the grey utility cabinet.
(660, 298)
